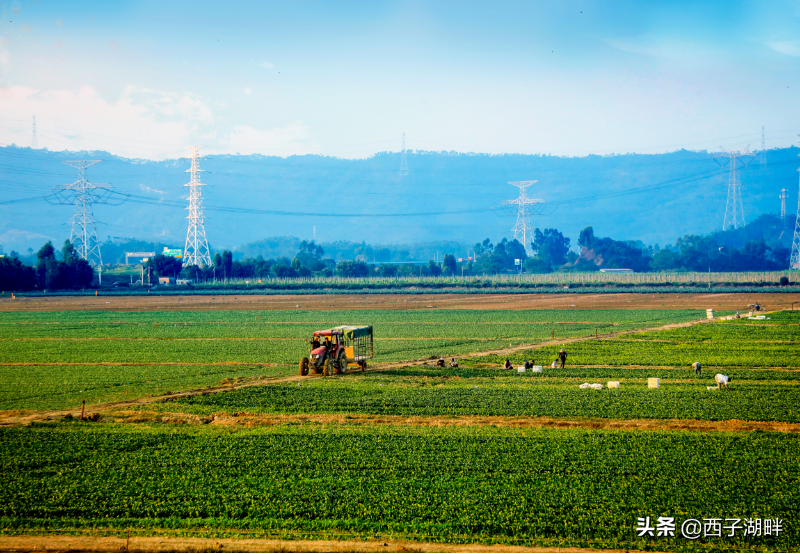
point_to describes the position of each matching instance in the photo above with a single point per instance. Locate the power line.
(784, 196)
(734, 213)
(794, 260)
(83, 193)
(196, 250)
(524, 207)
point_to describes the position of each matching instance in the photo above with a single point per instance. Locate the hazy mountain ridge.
(445, 196)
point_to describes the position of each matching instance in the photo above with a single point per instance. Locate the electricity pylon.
(734, 214)
(84, 226)
(34, 142)
(522, 207)
(794, 260)
(784, 196)
(196, 249)
(403, 161)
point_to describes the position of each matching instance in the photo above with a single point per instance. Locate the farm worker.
(440, 362)
(737, 314)
(453, 362)
(507, 365)
(722, 380)
(562, 356)
(697, 368)
(327, 346)
(315, 343)
(758, 307)
(527, 364)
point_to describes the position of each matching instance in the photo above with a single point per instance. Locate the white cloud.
(265, 64)
(659, 47)
(286, 141)
(142, 123)
(247, 90)
(788, 47)
(148, 189)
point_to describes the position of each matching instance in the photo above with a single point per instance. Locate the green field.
(431, 392)
(537, 486)
(574, 488)
(126, 341)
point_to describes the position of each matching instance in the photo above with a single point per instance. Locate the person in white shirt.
(722, 380)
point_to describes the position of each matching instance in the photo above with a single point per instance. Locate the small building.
(166, 280)
(183, 281)
(616, 271)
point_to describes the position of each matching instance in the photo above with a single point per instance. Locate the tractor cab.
(335, 350)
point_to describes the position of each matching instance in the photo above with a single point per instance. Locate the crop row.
(411, 331)
(57, 387)
(529, 397)
(674, 354)
(366, 317)
(725, 332)
(573, 488)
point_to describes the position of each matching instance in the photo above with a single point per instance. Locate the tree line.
(548, 251)
(71, 272)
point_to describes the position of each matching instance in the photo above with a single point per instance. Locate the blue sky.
(144, 79)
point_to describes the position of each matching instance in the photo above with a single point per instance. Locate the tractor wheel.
(341, 366)
(304, 366)
(330, 367)
(363, 365)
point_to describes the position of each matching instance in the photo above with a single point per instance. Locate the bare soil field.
(634, 301)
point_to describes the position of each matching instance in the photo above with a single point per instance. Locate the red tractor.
(335, 350)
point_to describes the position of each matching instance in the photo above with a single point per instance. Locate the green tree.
(551, 246)
(350, 268)
(388, 270)
(165, 266)
(449, 262)
(433, 269)
(586, 237)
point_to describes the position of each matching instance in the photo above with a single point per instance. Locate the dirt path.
(634, 301)
(244, 419)
(94, 543)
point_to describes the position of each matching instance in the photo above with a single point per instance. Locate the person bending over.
(722, 381)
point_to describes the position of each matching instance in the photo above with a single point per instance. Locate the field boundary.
(247, 419)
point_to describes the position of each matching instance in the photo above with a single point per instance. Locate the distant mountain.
(444, 196)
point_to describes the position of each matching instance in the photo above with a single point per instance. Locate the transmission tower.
(784, 196)
(196, 250)
(794, 261)
(522, 207)
(734, 214)
(763, 148)
(83, 194)
(34, 142)
(403, 161)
